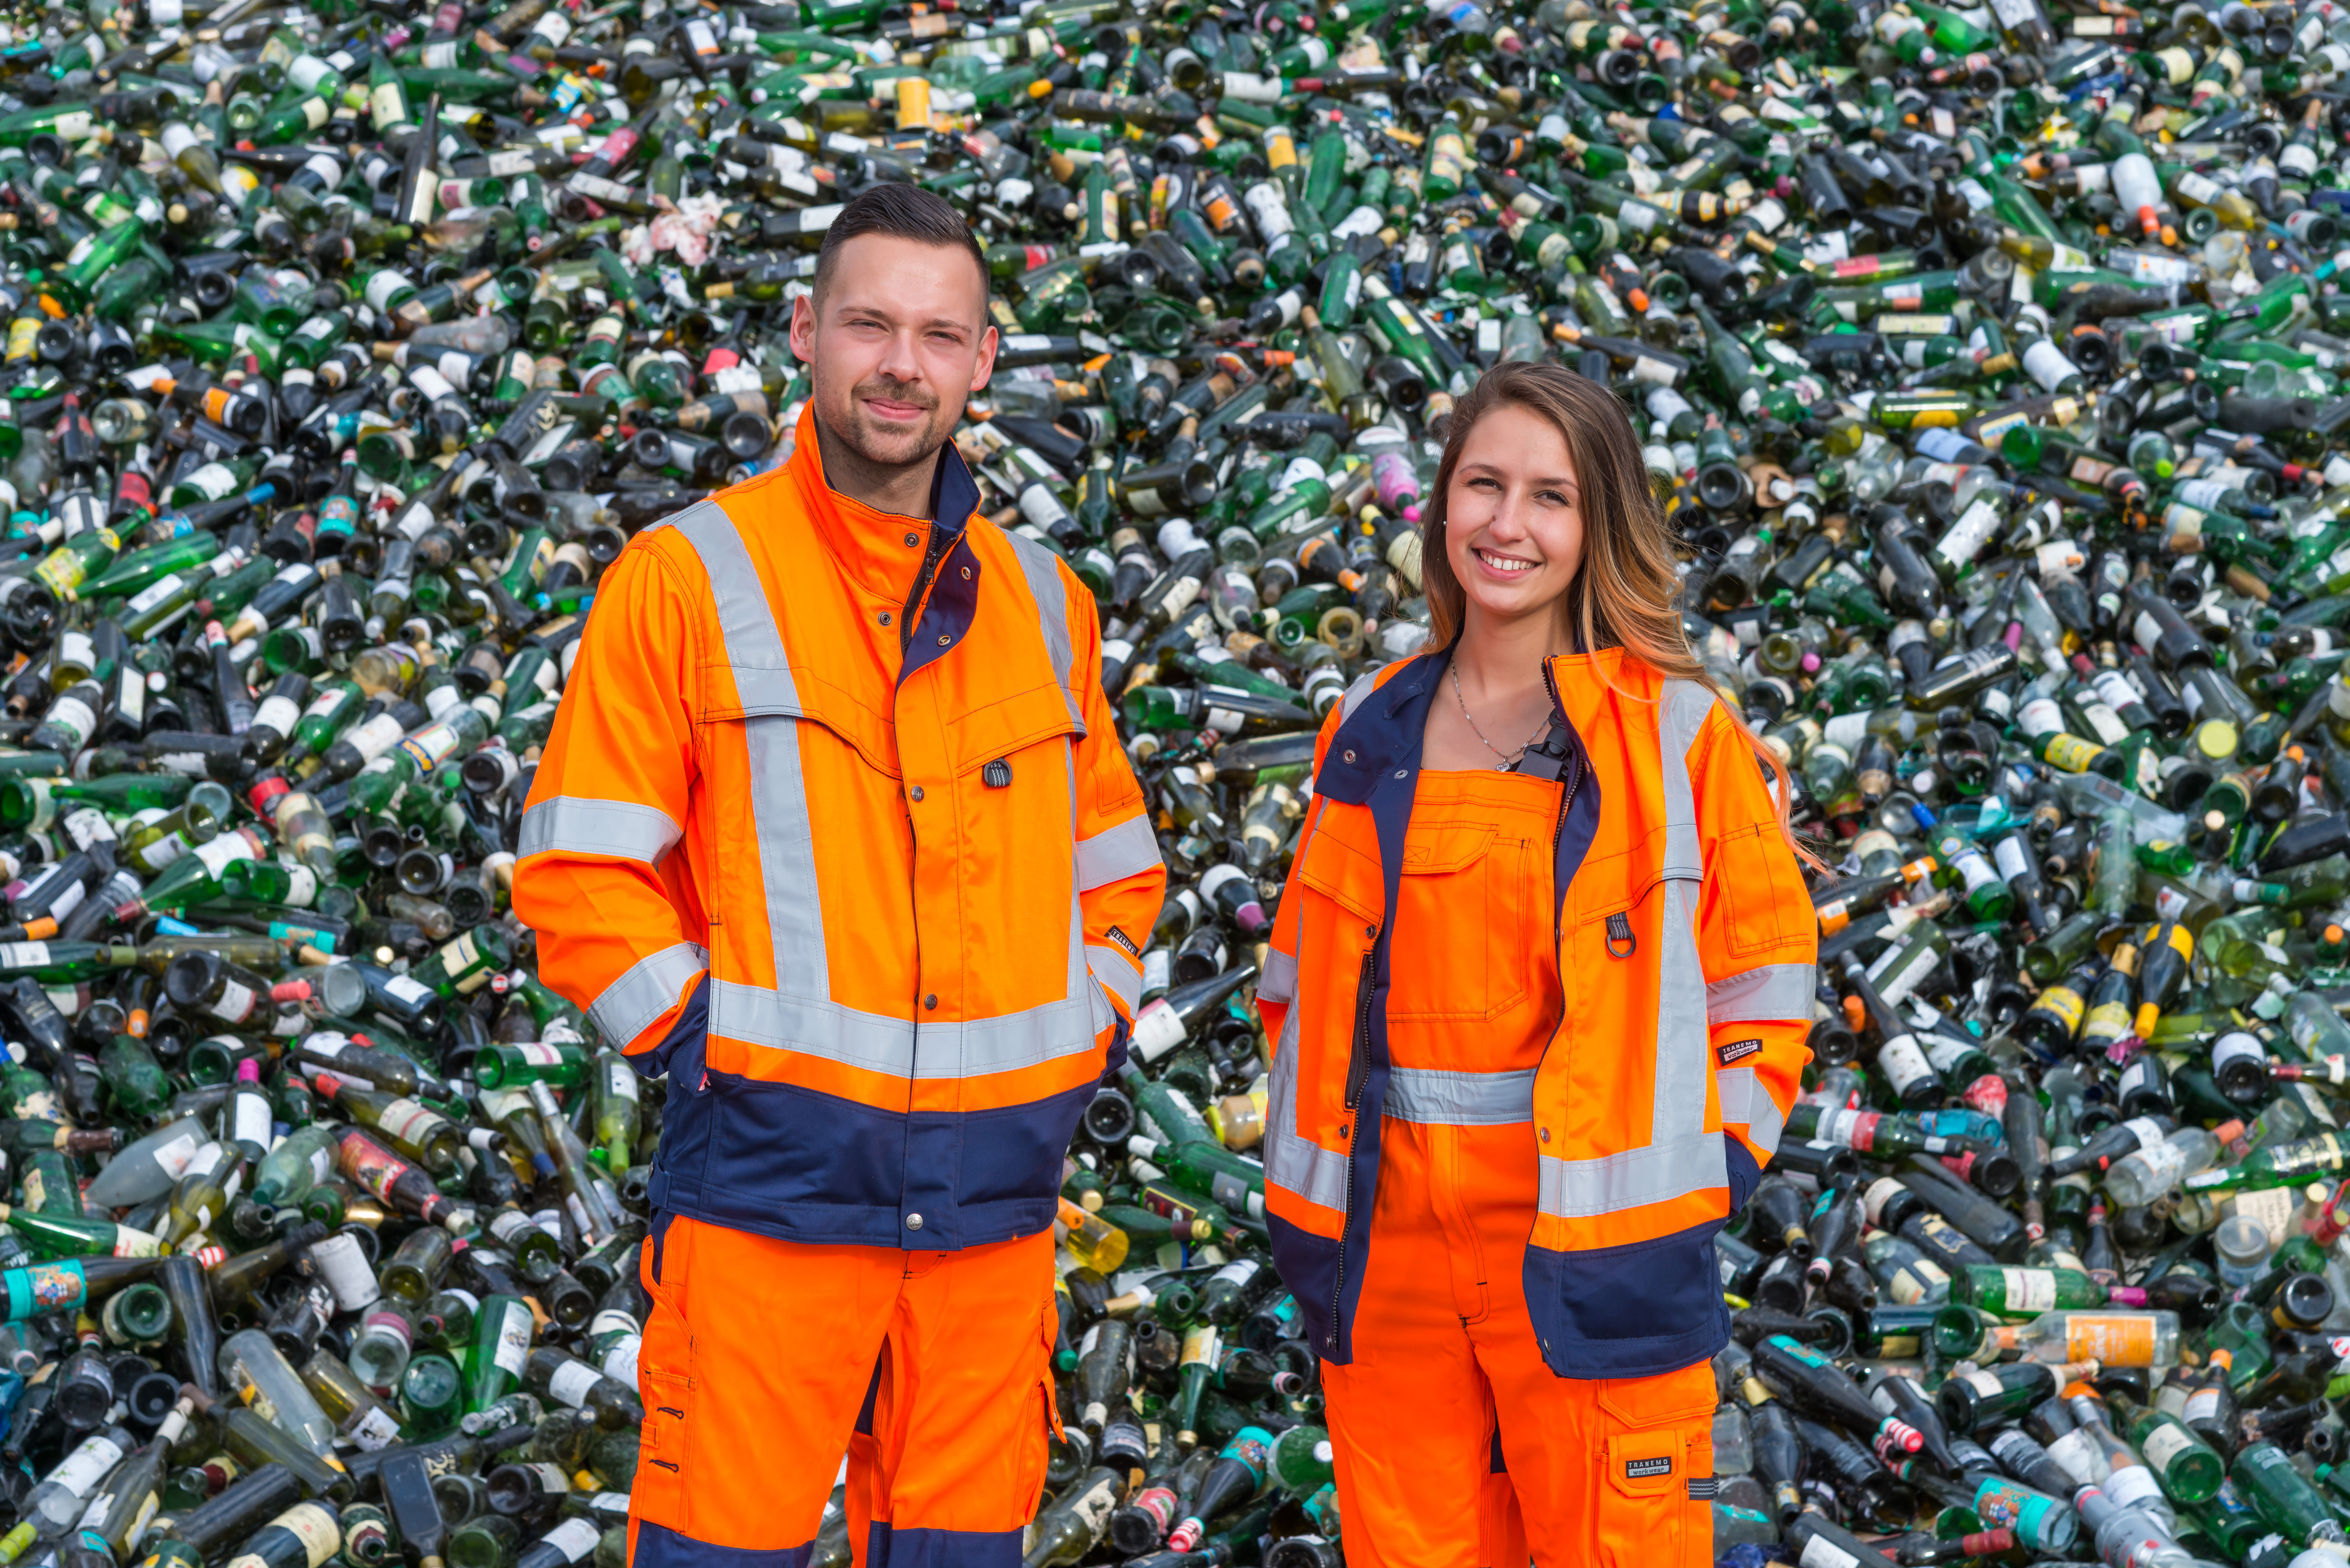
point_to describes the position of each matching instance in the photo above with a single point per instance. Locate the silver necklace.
(1509, 759)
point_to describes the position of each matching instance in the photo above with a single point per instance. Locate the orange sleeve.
(597, 874)
(1756, 938)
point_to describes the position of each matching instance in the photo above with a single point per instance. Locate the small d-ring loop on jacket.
(1619, 930)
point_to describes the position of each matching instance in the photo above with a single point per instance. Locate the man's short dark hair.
(905, 212)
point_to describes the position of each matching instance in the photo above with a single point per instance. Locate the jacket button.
(912, 540)
(885, 617)
(966, 574)
(1348, 757)
(1403, 772)
(930, 1003)
(1545, 1135)
(913, 1221)
(915, 793)
(945, 639)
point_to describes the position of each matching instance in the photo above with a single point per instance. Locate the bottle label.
(1157, 1031)
(175, 1156)
(572, 1383)
(1819, 1551)
(404, 990)
(513, 1347)
(24, 955)
(375, 1431)
(252, 1121)
(2029, 1290)
(2164, 1442)
(1903, 1064)
(2110, 1339)
(1201, 1345)
(574, 1538)
(87, 1465)
(235, 1002)
(409, 1122)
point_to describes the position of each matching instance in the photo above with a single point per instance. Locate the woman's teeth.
(1504, 563)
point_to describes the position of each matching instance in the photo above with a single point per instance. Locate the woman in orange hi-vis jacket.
(1538, 989)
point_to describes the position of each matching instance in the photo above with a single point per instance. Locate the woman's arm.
(1757, 938)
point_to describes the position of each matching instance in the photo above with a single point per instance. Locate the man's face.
(898, 344)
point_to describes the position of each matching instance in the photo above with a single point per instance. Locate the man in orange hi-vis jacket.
(835, 829)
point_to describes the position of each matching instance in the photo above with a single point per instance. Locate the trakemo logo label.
(1638, 1469)
(1737, 1050)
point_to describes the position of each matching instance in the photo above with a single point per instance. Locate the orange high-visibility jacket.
(874, 895)
(1685, 950)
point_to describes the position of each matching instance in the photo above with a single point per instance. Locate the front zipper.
(1558, 829)
(935, 552)
(1358, 1066)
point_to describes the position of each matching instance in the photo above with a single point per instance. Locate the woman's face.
(1513, 517)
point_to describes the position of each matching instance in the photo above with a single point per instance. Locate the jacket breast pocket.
(1761, 892)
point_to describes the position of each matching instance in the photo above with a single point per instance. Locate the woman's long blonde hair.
(1623, 595)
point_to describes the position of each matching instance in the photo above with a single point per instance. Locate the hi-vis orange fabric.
(1685, 945)
(913, 863)
(929, 1370)
(834, 827)
(1580, 1472)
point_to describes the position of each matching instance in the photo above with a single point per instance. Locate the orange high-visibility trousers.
(1456, 1446)
(765, 1360)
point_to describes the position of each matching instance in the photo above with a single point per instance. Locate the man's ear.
(803, 332)
(986, 366)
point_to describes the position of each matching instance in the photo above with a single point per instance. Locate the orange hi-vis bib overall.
(1532, 1047)
(1456, 1446)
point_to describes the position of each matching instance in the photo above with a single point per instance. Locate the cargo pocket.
(1657, 1440)
(665, 1382)
(1038, 1456)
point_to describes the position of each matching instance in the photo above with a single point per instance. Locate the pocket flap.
(1646, 1464)
(1437, 847)
(1339, 870)
(728, 690)
(1610, 884)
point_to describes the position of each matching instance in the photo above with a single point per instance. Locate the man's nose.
(899, 361)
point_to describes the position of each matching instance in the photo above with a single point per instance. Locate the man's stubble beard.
(885, 453)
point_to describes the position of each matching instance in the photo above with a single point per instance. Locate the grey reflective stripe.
(1768, 993)
(1680, 1157)
(1119, 975)
(1355, 693)
(1278, 983)
(1117, 853)
(647, 989)
(1684, 1054)
(1681, 716)
(755, 644)
(576, 825)
(1460, 1099)
(1587, 1189)
(1746, 1102)
(799, 1013)
(785, 831)
(1042, 570)
(1292, 1161)
(891, 1045)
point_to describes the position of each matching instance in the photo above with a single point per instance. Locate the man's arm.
(593, 875)
(1121, 881)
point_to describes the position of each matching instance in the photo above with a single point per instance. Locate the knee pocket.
(1655, 1440)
